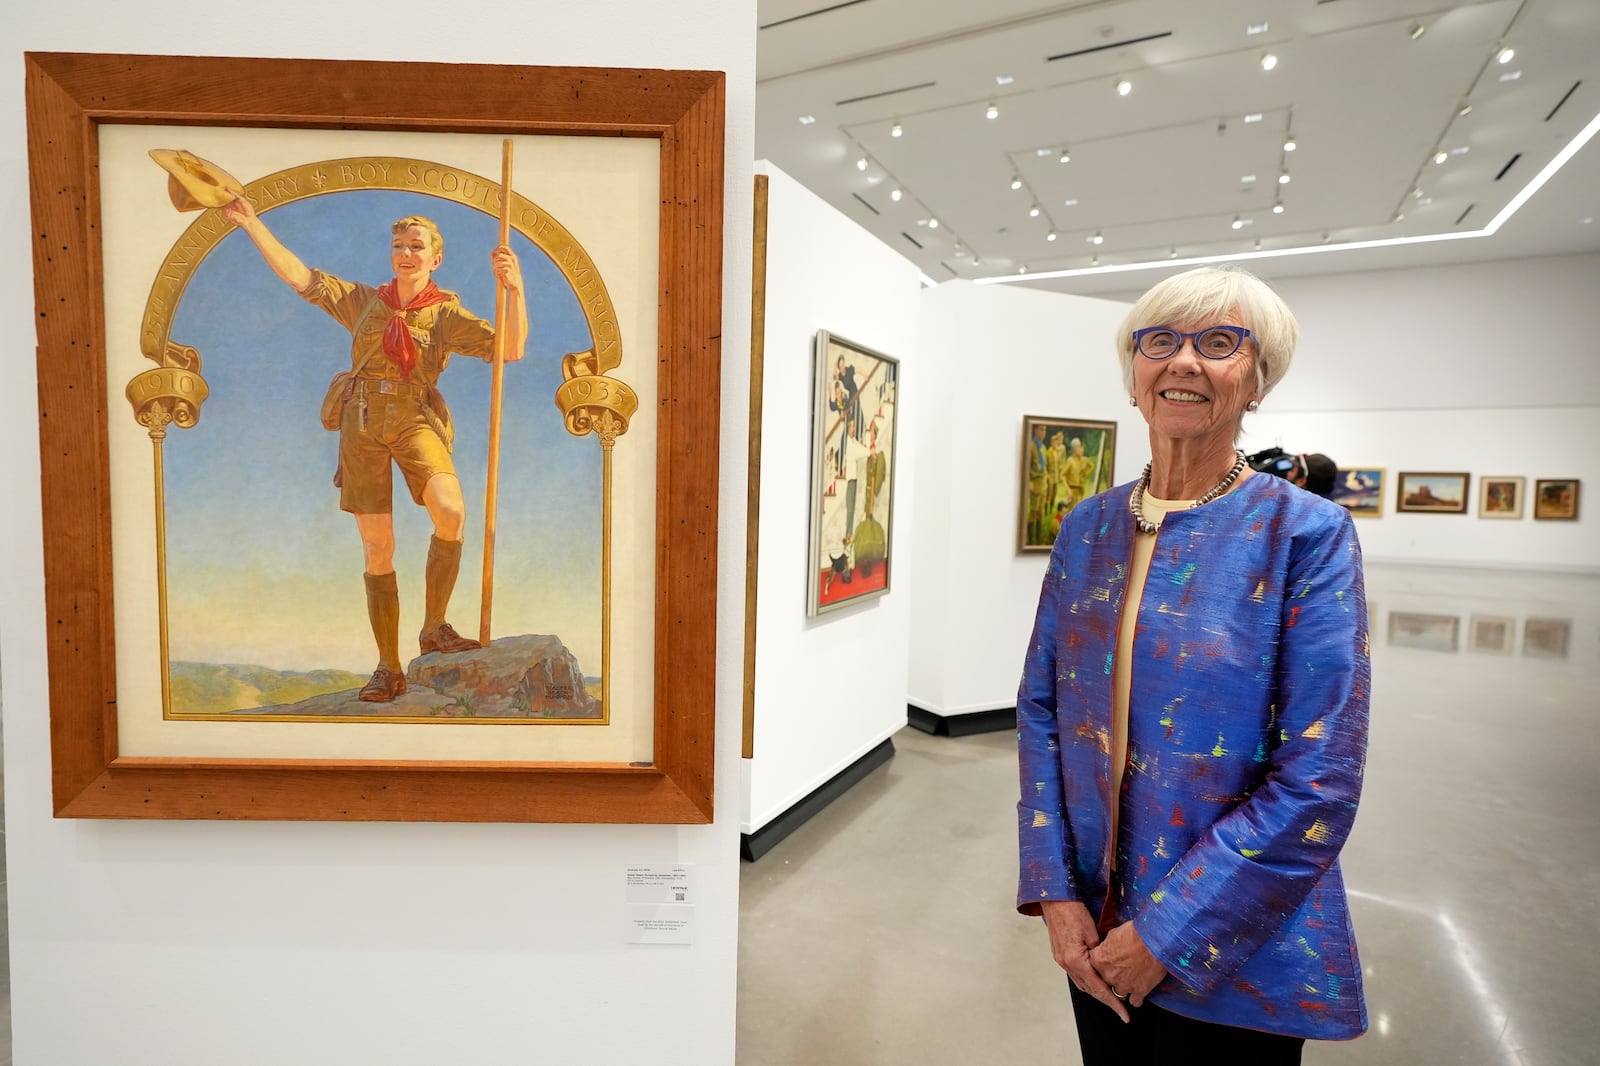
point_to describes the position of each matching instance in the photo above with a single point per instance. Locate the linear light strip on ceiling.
(1561, 159)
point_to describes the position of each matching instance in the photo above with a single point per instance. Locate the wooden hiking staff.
(496, 394)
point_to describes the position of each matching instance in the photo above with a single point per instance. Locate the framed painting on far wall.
(1432, 493)
(1064, 461)
(1501, 497)
(1557, 499)
(855, 397)
(1359, 490)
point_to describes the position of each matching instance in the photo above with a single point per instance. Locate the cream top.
(1144, 546)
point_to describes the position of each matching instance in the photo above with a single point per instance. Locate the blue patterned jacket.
(1246, 740)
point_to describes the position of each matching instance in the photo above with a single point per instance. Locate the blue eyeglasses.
(1213, 342)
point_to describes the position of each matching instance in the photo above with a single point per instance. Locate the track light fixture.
(1050, 236)
(1268, 60)
(1506, 55)
(993, 112)
(897, 130)
(1033, 212)
(861, 164)
(1284, 179)
(1016, 183)
(1098, 238)
(1066, 156)
(1288, 144)
(1124, 87)
(1238, 223)
(1277, 208)
(1417, 30)
(895, 194)
(933, 223)
(1440, 156)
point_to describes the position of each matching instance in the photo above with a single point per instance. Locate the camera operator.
(1312, 471)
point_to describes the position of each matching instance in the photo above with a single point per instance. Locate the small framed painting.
(1556, 499)
(1064, 461)
(1501, 497)
(1546, 638)
(1359, 490)
(1429, 632)
(1432, 493)
(1492, 634)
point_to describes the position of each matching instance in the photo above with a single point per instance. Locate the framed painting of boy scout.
(379, 450)
(1064, 461)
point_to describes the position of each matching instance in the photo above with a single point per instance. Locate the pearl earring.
(1133, 401)
(1253, 406)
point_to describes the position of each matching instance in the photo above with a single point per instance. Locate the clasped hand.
(1121, 961)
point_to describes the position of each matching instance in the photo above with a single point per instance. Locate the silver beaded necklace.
(1136, 501)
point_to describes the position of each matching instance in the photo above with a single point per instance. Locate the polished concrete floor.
(882, 932)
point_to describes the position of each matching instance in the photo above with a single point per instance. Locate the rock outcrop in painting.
(529, 676)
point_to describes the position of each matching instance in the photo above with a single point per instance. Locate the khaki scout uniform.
(387, 417)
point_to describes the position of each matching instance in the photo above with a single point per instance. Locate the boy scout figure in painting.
(402, 336)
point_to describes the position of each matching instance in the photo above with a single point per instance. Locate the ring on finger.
(1114, 992)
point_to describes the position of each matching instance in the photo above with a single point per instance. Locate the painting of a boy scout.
(262, 601)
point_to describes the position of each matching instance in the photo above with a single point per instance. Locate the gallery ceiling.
(863, 99)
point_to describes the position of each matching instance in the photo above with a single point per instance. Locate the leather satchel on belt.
(339, 392)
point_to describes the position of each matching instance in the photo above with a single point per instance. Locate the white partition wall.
(1486, 368)
(996, 353)
(828, 689)
(198, 944)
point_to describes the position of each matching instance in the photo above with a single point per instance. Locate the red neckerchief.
(398, 343)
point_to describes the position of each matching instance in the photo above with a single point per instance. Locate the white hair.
(1207, 294)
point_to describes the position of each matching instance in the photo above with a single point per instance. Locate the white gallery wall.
(1484, 368)
(831, 688)
(194, 944)
(991, 354)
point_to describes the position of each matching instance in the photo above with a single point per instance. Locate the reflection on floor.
(883, 932)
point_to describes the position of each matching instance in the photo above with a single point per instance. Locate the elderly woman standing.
(1192, 720)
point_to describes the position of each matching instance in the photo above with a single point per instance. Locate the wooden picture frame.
(1055, 475)
(69, 97)
(1556, 499)
(1431, 493)
(1360, 490)
(855, 424)
(1501, 497)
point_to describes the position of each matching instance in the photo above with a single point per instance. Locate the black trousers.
(1157, 1037)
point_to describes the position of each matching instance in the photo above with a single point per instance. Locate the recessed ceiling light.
(1289, 145)
(992, 112)
(1588, 220)
(861, 164)
(897, 131)
(1247, 179)
(1506, 55)
(1016, 183)
(1425, 201)
(1461, 149)
(1255, 28)
(1050, 236)
(1003, 79)
(1041, 152)
(895, 194)
(1033, 212)
(1511, 75)
(1268, 60)
(1277, 208)
(1417, 30)
(806, 120)
(1238, 223)
(933, 223)
(1440, 157)
(1283, 179)
(1066, 156)
(874, 179)
(1097, 239)
(1124, 87)
(1070, 203)
(1254, 116)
